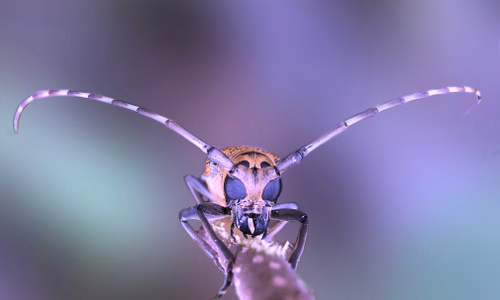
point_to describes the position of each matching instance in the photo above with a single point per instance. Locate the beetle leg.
(191, 213)
(198, 189)
(200, 212)
(215, 209)
(278, 225)
(287, 214)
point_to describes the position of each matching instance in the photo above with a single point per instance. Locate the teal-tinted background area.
(402, 206)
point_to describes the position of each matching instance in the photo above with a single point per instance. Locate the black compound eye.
(272, 190)
(264, 164)
(234, 188)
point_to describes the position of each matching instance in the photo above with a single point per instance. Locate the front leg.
(288, 214)
(200, 212)
(198, 189)
(276, 227)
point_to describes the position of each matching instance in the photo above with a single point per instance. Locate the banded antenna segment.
(214, 154)
(296, 157)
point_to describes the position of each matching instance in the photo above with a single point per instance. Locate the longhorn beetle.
(243, 183)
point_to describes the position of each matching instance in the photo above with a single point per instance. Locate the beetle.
(242, 183)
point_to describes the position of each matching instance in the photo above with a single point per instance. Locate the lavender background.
(402, 206)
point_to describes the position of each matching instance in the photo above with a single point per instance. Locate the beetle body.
(240, 185)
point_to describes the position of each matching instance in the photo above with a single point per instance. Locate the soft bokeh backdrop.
(402, 206)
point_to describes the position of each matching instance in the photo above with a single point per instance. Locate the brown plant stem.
(261, 274)
(261, 268)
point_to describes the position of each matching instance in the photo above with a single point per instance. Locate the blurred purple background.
(402, 206)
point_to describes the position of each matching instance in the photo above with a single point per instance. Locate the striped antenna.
(296, 157)
(214, 154)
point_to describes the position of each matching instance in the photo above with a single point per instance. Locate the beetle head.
(252, 188)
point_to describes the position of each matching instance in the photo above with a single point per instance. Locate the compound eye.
(272, 190)
(234, 188)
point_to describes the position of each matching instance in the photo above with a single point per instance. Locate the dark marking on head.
(255, 171)
(244, 163)
(264, 164)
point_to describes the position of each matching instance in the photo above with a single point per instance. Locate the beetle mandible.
(243, 183)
